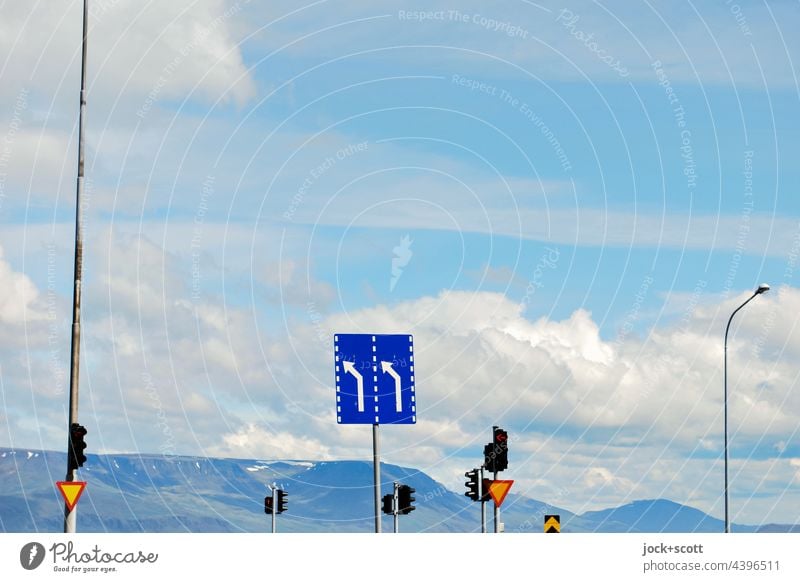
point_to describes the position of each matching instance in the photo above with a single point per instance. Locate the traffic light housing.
(268, 505)
(496, 453)
(388, 503)
(472, 485)
(283, 500)
(75, 456)
(405, 499)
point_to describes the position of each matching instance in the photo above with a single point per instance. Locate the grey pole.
(763, 288)
(481, 493)
(376, 462)
(274, 508)
(395, 508)
(70, 516)
(496, 512)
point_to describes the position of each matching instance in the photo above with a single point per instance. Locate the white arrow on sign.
(349, 368)
(387, 369)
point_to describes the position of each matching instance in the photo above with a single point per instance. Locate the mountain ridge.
(133, 492)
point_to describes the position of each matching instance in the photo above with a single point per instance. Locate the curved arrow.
(387, 369)
(349, 368)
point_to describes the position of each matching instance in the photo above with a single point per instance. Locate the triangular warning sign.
(499, 489)
(71, 491)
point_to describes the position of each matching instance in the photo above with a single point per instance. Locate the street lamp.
(763, 288)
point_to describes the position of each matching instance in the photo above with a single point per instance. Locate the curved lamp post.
(763, 288)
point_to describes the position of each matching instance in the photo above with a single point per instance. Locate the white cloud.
(263, 444)
(610, 419)
(137, 49)
(19, 297)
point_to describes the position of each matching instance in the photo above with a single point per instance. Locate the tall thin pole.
(274, 507)
(761, 289)
(481, 493)
(70, 516)
(496, 512)
(396, 508)
(376, 461)
(725, 422)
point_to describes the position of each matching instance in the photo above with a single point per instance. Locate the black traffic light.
(388, 504)
(268, 505)
(283, 499)
(75, 456)
(472, 485)
(496, 452)
(405, 501)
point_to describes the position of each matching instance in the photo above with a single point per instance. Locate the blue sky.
(581, 192)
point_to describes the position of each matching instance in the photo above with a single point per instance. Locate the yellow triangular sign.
(499, 489)
(71, 491)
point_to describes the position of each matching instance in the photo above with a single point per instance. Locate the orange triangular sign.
(71, 491)
(499, 489)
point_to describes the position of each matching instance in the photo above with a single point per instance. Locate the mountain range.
(157, 493)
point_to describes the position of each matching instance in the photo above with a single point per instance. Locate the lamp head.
(763, 288)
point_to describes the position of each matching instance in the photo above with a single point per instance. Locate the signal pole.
(396, 508)
(496, 512)
(274, 507)
(481, 493)
(70, 515)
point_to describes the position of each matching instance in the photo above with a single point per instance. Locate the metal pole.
(70, 516)
(274, 507)
(725, 422)
(725, 407)
(376, 462)
(481, 493)
(395, 508)
(496, 512)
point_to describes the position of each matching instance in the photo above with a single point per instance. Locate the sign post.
(481, 495)
(396, 506)
(376, 470)
(375, 385)
(274, 507)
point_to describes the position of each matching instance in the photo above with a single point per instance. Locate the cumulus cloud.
(610, 419)
(19, 297)
(141, 49)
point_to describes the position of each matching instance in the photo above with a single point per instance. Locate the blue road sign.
(374, 379)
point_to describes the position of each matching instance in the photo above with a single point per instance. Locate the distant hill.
(155, 493)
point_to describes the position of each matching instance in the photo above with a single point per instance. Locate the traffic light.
(268, 505)
(388, 504)
(283, 499)
(472, 485)
(496, 452)
(75, 456)
(405, 501)
(501, 448)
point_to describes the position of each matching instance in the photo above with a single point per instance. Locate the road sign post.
(375, 385)
(481, 494)
(496, 511)
(396, 507)
(274, 508)
(376, 473)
